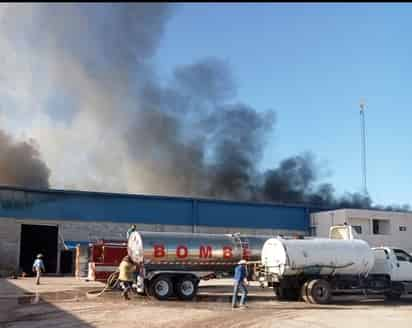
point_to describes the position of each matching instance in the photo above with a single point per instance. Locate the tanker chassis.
(172, 264)
(313, 269)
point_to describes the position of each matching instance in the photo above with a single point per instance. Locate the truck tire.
(319, 291)
(186, 288)
(304, 292)
(161, 287)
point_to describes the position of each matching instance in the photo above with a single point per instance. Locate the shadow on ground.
(19, 308)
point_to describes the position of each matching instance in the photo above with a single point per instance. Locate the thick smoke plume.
(21, 165)
(80, 79)
(296, 180)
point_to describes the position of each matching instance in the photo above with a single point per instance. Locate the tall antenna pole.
(363, 141)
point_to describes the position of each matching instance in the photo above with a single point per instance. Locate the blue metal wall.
(245, 215)
(90, 206)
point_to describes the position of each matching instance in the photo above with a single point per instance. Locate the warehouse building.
(53, 221)
(376, 227)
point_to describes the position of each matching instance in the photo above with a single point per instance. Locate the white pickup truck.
(396, 264)
(315, 268)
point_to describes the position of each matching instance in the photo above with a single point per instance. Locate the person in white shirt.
(38, 268)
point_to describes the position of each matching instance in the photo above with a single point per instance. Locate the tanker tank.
(193, 251)
(318, 256)
(184, 251)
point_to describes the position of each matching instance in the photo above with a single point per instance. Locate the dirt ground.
(62, 302)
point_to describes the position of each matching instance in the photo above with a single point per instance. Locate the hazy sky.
(312, 63)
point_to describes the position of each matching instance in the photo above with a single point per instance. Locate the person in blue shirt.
(38, 268)
(240, 283)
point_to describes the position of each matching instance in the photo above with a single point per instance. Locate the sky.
(206, 99)
(312, 64)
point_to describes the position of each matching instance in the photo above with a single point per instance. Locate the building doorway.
(66, 262)
(37, 239)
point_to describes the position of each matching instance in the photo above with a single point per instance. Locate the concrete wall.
(393, 236)
(322, 221)
(9, 244)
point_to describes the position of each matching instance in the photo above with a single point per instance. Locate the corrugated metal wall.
(215, 213)
(90, 206)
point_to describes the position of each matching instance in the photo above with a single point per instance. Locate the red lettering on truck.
(246, 253)
(181, 252)
(205, 252)
(227, 252)
(159, 250)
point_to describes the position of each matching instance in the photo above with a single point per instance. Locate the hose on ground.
(111, 283)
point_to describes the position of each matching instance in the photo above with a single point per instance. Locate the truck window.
(380, 254)
(358, 229)
(402, 255)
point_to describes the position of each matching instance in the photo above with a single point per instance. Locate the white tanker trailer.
(173, 263)
(311, 269)
(318, 256)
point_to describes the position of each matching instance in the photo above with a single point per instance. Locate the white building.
(378, 228)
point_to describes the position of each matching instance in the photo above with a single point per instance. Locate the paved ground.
(61, 302)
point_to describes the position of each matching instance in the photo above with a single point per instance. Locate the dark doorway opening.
(66, 262)
(37, 239)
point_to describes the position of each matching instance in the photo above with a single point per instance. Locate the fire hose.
(111, 283)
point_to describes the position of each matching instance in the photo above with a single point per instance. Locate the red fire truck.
(105, 257)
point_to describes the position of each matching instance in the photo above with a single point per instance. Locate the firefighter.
(38, 268)
(240, 283)
(127, 271)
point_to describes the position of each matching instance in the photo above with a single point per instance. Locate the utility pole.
(363, 146)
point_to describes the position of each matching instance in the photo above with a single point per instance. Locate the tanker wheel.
(186, 288)
(319, 291)
(304, 292)
(161, 288)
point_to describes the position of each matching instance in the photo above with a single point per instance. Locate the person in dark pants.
(240, 283)
(126, 275)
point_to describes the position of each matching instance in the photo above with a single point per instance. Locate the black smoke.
(197, 142)
(21, 164)
(189, 135)
(191, 139)
(295, 180)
